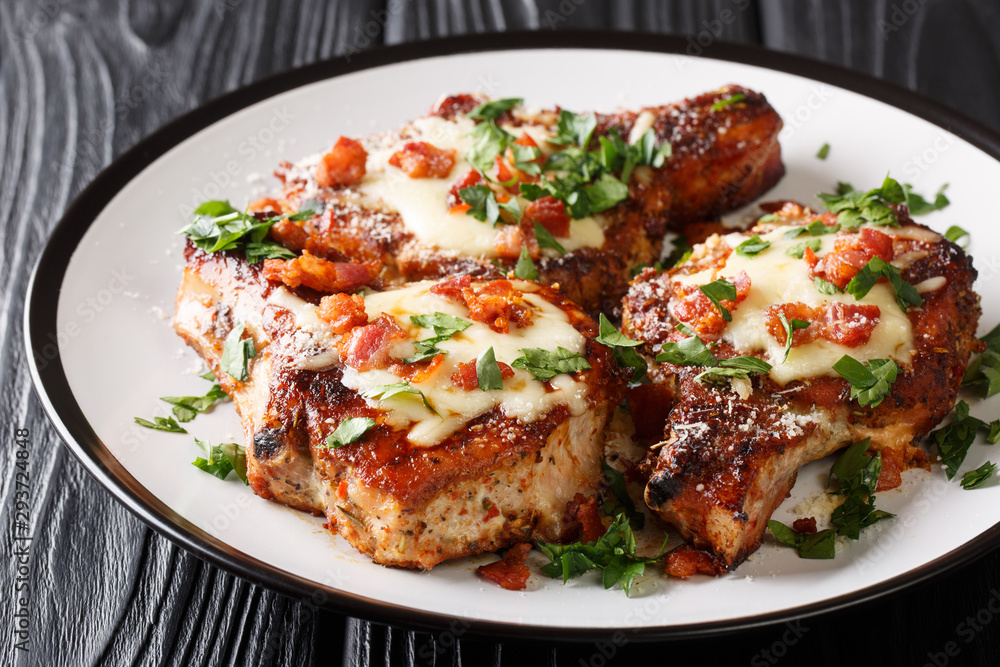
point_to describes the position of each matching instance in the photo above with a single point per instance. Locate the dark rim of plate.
(54, 391)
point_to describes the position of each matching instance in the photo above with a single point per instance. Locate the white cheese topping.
(776, 278)
(422, 202)
(643, 122)
(523, 397)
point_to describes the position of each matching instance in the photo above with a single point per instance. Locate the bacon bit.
(472, 177)
(806, 526)
(455, 105)
(320, 274)
(342, 490)
(420, 371)
(367, 347)
(342, 311)
(511, 238)
(461, 208)
(344, 165)
(850, 254)
(467, 378)
(510, 573)
(551, 214)
(265, 205)
(685, 561)
(850, 325)
(526, 140)
(290, 235)
(497, 304)
(419, 159)
(584, 510)
(453, 288)
(503, 173)
(695, 309)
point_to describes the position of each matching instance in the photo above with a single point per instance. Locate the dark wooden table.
(80, 82)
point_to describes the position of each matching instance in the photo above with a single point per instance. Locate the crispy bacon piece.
(453, 288)
(584, 510)
(472, 177)
(290, 235)
(418, 371)
(849, 255)
(419, 159)
(685, 561)
(497, 304)
(512, 572)
(550, 213)
(695, 309)
(264, 205)
(467, 378)
(367, 347)
(344, 165)
(342, 311)
(806, 525)
(456, 105)
(320, 274)
(511, 238)
(850, 325)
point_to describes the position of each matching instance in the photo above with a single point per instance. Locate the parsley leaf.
(826, 287)
(975, 478)
(621, 502)
(736, 367)
(679, 254)
(799, 250)
(219, 227)
(237, 353)
(720, 290)
(733, 99)
(690, 351)
(187, 408)
(525, 268)
(854, 208)
(445, 326)
(984, 371)
(790, 329)
(349, 430)
(489, 141)
(546, 240)
(953, 441)
(994, 434)
(814, 228)
(222, 460)
(160, 424)
(574, 128)
(621, 346)
(865, 279)
(818, 545)
(604, 193)
(488, 371)
(493, 109)
(752, 246)
(870, 381)
(919, 206)
(955, 233)
(384, 392)
(545, 365)
(858, 474)
(483, 202)
(823, 151)
(613, 553)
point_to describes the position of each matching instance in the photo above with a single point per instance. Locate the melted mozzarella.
(775, 278)
(522, 397)
(422, 202)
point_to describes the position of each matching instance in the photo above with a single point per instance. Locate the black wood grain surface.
(81, 81)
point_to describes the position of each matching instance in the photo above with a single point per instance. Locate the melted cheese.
(422, 202)
(643, 122)
(522, 397)
(776, 277)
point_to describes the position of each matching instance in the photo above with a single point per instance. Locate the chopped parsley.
(733, 99)
(219, 227)
(690, 351)
(222, 460)
(525, 268)
(574, 128)
(752, 246)
(818, 545)
(953, 441)
(984, 371)
(790, 328)
(187, 408)
(349, 430)
(384, 392)
(718, 291)
(826, 287)
(488, 373)
(489, 141)
(493, 109)
(870, 381)
(237, 353)
(613, 554)
(814, 228)
(445, 326)
(799, 249)
(546, 240)
(736, 367)
(919, 206)
(166, 424)
(622, 348)
(858, 473)
(975, 478)
(679, 254)
(870, 273)
(545, 365)
(823, 151)
(955, 233)
(620, 502)
(854, 208)
(483, 202)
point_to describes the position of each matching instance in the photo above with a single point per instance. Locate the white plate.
(104, 350)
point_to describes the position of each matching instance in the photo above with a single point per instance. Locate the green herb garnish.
(545, 365)
(384, 392)
(953, 441)
(826, 287)
(525, 268)
(818, 545)
(219, 227)
(865, 279)
(445, 326)
(237, 353)
(814, 228)
(752, 246)
(621, 501)
(166, 424)
(622, 348)
(488, 373)
(975, 478)
(722, 104)
(955, 233)
(799, 249)
(823, 151)
(187, 408)
(493, 109)
(349, 430)
(858, 473)
(222, 460)
(718, 291)
(546, 240)
(870, 381)
(790, 328)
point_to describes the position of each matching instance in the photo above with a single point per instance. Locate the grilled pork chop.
(731, 449)
(395, 199)
(443, 469)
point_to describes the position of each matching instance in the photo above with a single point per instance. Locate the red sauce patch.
(696, 310)
(342, 311)
(685, 561)
(850, 325)
(510, 573)
(419, 159)
(344, 165)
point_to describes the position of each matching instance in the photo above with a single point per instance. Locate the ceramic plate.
(103, 350)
